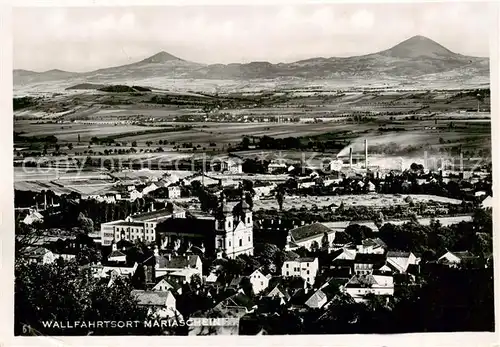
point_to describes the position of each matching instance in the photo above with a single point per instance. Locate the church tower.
(234, 236)
(224, 225)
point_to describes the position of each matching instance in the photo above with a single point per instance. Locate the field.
(376, 200)
(169, 125)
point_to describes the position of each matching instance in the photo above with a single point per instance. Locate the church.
(227, 232)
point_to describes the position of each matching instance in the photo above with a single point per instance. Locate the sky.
(88, 38)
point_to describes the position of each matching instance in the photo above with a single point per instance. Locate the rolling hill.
(413, 58)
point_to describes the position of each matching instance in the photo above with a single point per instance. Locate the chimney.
(45, 200)
(366, 154)
(152, 206)
(350, 157)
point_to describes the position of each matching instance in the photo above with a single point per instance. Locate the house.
(259, 280)
(135, 194)
(480, 193)
(360, 286)
(370, 187)
(39, 255)
(165, 285)
(212, 276)
(345, 254)
(120, 270)
(487, 202)
(280, 293)
(262, 190)
(238, 304)
(173, 192)
(64, 255)
(400, 261)
(308, 235)
(306, 184)
(160, 304)
(33, 217)
(372, 246)
(307, 268)
(341, 240)
(151, 188)
(317, 300)
(94, 269)
(116, 255)
(365, 263)
(454, 259)
(275, 166)
(228, 165)
(181, 268)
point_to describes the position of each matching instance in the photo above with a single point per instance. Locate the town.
(308, 169)
(343, 248)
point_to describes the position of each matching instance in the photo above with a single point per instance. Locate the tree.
(134, 143)
(88, 255)
(26, 236)
(249, 200)
(62, 292)
(325, 244)
(85, 223)
(314, 246)
(379, 220)
(70, 146)
(280, 198)
(245, 142)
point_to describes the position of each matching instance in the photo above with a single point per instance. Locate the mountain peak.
(418, 46)
(160, 57)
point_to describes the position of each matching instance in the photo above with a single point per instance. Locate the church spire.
(224, 208)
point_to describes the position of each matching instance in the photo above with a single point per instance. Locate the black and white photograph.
(284, 169)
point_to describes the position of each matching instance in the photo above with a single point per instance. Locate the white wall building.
(259, 280)
(359, 286)
(140, 226)
(173, 192)
(307, 268)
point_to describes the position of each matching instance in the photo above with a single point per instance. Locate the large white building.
(140, 226)
(307, 268)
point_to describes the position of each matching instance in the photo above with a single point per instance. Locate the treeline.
(50, 139)
(108, 140)
(98, 212)
(267, 142)
(123, 89)
(23, 102)
(480, 94)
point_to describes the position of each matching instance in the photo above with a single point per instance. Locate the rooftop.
(116, 254)
(367, 258)
(307, 231)
(398, 254)
(130, 224)
(151, 298)
(158, 214)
